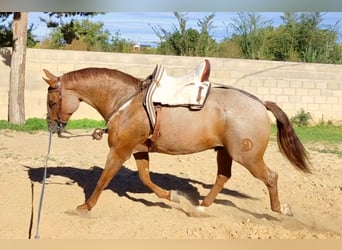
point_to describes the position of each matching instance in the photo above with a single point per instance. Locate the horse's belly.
(180, 147)
(186, 136)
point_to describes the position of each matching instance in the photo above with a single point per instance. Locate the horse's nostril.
(53, 129)
(52, 126)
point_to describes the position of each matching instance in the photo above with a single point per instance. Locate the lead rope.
(37, 237)
(97, 134)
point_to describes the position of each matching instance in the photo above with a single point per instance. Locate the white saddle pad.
(186, 90)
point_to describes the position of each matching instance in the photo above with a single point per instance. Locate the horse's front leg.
(112, 166)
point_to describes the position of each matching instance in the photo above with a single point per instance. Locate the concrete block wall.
(316, 88)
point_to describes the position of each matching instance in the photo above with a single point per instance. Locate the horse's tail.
(288, 142)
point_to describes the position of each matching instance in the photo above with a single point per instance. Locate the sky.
(136, 26)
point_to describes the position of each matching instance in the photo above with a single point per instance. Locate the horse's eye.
(51, 104)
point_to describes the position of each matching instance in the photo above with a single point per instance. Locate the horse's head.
(61, 103)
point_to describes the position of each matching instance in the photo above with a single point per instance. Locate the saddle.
(190, 90)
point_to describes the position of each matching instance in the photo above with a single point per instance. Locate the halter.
(59, 121)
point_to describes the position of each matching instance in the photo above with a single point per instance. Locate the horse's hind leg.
(224, 172)
(270, 178)
(142, 161)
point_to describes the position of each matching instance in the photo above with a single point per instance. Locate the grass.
(38, 124)
(319, 133)
(85, 123)
(32, 124)
(325, 139)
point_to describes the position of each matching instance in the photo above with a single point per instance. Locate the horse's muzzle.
(56, 127)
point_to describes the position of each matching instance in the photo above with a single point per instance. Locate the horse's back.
(239, 108)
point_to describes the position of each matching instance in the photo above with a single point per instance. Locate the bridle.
(60, 123)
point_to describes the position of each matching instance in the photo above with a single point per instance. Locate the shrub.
(302, 118)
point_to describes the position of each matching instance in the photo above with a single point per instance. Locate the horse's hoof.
(84, 207)
(78, 212)
(286, 209)
(201, 209)
(174, 196)
(81, 210)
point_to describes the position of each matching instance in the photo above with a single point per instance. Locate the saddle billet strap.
(198, 99)
(156, 130)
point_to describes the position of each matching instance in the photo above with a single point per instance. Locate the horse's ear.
(49, 74)
(51, 78)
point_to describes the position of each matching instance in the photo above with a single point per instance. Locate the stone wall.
(316, 88)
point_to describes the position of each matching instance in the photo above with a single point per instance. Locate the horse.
(233, 122)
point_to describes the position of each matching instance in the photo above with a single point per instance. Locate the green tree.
(6, 33)
(59, 18)
(302, 37)
(206, 45)
(5, 30)
(186, 42)
(118, 44)
(83, 35)
(228, 48)
(249, 31)
(75, 34)
(179, 41)
(315, 44)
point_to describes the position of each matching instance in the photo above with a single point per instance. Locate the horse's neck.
(105, 97)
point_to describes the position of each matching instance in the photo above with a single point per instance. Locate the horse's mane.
(102, 73)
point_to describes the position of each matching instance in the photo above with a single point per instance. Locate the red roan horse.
(234, 123)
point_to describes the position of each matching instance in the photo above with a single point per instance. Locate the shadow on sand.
(127, 181)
